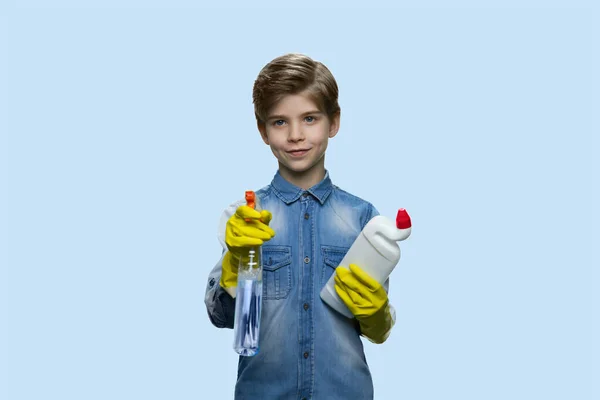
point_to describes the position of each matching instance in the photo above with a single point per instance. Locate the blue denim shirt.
(307, 350)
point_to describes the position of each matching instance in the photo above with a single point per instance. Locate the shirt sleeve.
(368, 215)
(220, 305)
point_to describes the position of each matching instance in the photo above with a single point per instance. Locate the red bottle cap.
(403, 219)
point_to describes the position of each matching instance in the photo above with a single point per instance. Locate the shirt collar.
(289, 192)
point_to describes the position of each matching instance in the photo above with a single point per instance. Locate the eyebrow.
(272, 117)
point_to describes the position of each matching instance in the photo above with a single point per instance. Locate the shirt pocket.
(277, 274)
(332, 257)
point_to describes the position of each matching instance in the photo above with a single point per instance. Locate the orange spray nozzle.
(250, 198)
(250, 201)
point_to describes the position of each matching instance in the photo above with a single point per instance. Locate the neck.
(305, 179)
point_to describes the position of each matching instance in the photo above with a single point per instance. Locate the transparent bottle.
(248, 303)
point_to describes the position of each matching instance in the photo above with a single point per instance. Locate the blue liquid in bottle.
(248, 304)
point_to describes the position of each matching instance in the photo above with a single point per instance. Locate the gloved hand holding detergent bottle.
(355, 289)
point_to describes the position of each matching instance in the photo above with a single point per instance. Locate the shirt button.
(305, 194)
(306, 260)
(306, 354)
(306, 216)
(306, 306)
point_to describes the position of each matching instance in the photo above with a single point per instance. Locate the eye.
(310, 119)
(279, 122)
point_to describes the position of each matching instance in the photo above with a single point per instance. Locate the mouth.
(298, 153)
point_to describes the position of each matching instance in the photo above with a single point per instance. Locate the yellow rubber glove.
(246, 228)
(367, 300)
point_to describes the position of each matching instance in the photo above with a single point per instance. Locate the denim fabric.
(307, 350)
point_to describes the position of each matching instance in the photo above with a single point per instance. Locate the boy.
(306, 226)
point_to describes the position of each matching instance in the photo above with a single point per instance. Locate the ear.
(263, 131)
(334, 124)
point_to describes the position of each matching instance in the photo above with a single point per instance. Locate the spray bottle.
(248, 301)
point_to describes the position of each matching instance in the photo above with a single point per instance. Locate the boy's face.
(297, 133)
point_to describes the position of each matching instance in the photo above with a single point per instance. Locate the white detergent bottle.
(375, 251)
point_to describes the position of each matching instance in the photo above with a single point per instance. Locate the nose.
(295, 133)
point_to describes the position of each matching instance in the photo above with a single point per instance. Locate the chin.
(300, 168)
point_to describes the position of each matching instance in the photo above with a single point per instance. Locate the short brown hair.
(294, 73)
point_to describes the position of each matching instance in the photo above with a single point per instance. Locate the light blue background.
(128, 126)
